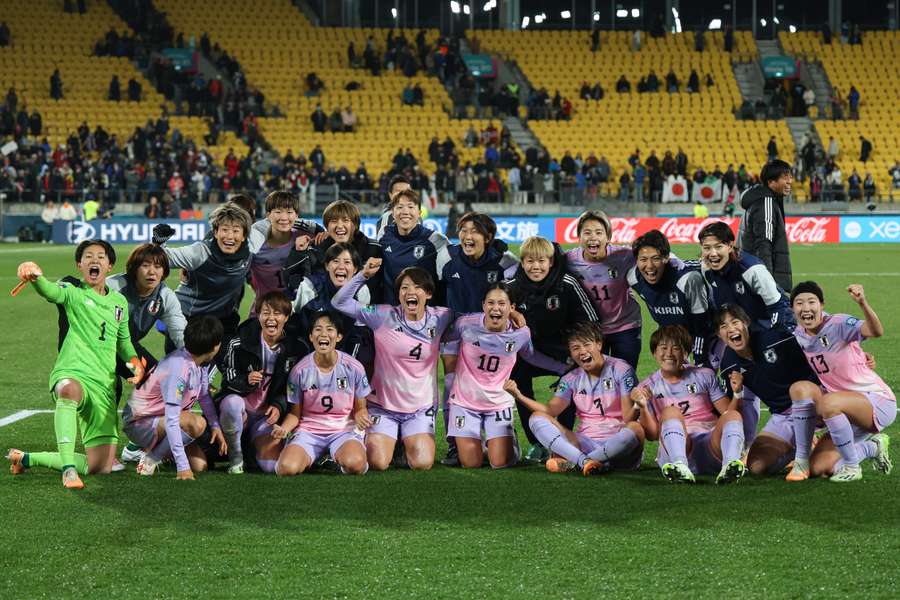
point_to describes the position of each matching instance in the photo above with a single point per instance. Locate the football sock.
(163, 449)
(674, 441)
(842, 435)
(445, 407)
(65, 422)
(555, 440)
(867, 449)
(732, 441)
(620, 444)
(266, 466)
(750, 415)
(803, 416)
(53, 460)
(231, 414)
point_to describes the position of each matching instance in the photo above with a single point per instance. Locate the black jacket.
(244, 354)
(763, 233)
(551, 306)
(302, 263)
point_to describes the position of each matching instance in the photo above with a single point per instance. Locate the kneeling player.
(254, 382)
(94, 331)
(158, 416)
(404, 387)
(678, 407)
(326, 390)
(606, 438)
(488, 346)
(767, 362)
(856, 403)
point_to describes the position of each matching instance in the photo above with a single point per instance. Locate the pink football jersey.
(607, 286)
(694, 394)
(327, 398)
(597, 400)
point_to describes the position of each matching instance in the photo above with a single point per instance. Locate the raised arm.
(345, 298)
(871, 327)
(188, 257)
(541, 360)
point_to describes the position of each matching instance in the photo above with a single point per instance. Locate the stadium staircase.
(820, 84)
(750, 80)
(769, 48)
(521, 135)
(800, 125)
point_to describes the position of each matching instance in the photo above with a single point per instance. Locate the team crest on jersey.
(692, 388)
(673, 298)
(629, 382)
(179, 391)
(342, 383)
(613, 273)
(153, 307)
(120, 311)
(770, 355)
(460, 422)
(608, 383)
(419, 251)
(493, 276)
(510, 346)
(739, 287)
(432, 332)
(553, 303)
(824, 340)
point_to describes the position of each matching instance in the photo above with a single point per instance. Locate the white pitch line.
(850, 273)
(22, 414)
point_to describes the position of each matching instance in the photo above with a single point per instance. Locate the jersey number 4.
(416, 352)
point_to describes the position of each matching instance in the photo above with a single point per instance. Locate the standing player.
(602, 268)
(468, 270)
(404, 387)
(407, 243)
(325, 389)
(158, 415)
(488, 347)
(552, 302)
(607, 437)
(216, 270)
(734, 277)
(93, 322)
(266, 265)
(767, 363)
(675, 293)
(254, 382)
(678, 407)
(855, 403)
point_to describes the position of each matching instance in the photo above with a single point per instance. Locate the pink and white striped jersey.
(598, 400)
(694, 394)
(838, 359)
(406, 354)
(607, 286)
(255, 400)
(327, 398)
(486, 359)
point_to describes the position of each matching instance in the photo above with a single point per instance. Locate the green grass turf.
(447, 533)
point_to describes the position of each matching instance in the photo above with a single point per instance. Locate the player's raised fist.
(737, 382)
(857, 292)
(301, 243)
(255, 377)
(29, 271)
(512, 388)
(371, 267)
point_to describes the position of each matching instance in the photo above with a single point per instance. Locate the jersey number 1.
(103, 331)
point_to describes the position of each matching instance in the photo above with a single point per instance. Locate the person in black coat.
(552, 301)
(253, 396)
(763, 233)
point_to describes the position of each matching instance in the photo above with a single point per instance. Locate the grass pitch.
(448, 533)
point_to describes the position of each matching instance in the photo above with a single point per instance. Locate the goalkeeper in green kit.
(93, 330)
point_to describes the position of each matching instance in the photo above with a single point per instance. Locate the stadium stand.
(279, 47)
(871, 67)
(46, 38)
(703, 124)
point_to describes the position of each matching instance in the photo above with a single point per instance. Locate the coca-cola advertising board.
(684, 230)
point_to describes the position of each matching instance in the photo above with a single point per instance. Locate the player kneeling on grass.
(254, 382)
(678, 407)
(327, 391)
(407, 345)
(488, 347)
(94, 331)
(158, 415)
(854, 401)
(607, 436)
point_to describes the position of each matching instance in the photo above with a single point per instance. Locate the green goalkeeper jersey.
(93, 329)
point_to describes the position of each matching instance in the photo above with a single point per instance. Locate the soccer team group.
(335, 310)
